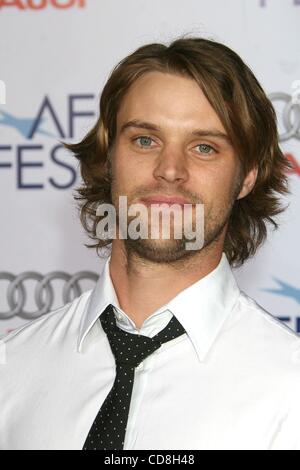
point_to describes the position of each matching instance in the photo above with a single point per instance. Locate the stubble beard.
(172, 250)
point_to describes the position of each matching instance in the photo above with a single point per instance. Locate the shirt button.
(140, 366)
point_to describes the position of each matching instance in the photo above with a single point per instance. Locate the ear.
(248, 183)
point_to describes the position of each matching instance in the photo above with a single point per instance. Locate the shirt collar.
(201, 308)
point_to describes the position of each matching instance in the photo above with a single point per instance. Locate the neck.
(143, 286)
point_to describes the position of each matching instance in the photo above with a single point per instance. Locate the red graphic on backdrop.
(295, 164)
(42, 4)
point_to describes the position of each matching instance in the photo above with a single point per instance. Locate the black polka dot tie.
(109, 427)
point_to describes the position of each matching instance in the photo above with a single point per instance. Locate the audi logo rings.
(17, 294)
(291, 107)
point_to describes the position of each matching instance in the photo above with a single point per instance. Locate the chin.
(159, 251)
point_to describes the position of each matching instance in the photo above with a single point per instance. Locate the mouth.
(164, 200)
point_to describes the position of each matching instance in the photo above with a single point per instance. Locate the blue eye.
(206, 148)
(143, 140)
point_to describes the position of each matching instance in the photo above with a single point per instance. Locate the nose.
(171, 165)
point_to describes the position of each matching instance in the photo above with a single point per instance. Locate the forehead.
(167, 99)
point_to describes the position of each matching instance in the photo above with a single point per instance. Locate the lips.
(164, 200)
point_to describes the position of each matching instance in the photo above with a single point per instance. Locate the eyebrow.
(136, 123)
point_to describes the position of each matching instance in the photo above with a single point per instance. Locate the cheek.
(217, 186)
(130, 172)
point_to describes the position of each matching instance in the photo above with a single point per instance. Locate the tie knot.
(131, 349)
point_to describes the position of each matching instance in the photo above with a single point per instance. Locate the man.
(186, 123)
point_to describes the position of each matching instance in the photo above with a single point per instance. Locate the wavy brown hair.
(244, 110)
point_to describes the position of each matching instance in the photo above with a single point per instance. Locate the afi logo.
(42, 4)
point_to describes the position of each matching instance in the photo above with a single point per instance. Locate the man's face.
(171, 160)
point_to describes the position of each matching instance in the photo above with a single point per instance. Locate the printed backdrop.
(55, 56)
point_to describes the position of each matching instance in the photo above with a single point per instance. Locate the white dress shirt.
(232, 381)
